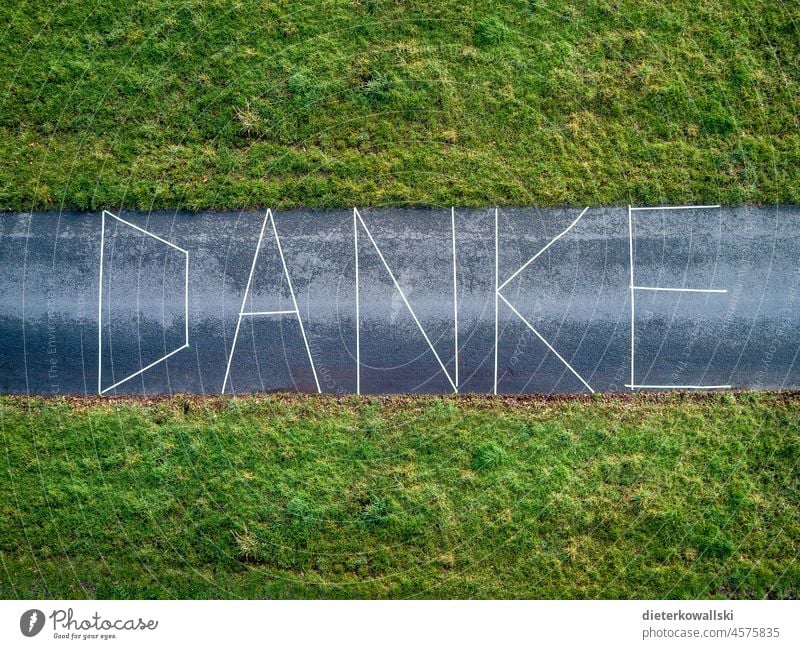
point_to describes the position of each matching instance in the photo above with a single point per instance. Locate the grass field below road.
(307, 103)
(678, 496)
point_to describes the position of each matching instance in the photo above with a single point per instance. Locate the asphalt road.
(146, 323)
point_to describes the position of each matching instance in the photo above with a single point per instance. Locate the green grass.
(212, 104)
(661, 497)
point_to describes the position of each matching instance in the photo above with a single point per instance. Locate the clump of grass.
(302, 514)
(377, 511)
(492, 31)
(488, 455)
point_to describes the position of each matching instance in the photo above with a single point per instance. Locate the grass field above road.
(212, 104)
(648, 497)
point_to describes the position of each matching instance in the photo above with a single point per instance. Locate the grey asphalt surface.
(576, 295)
